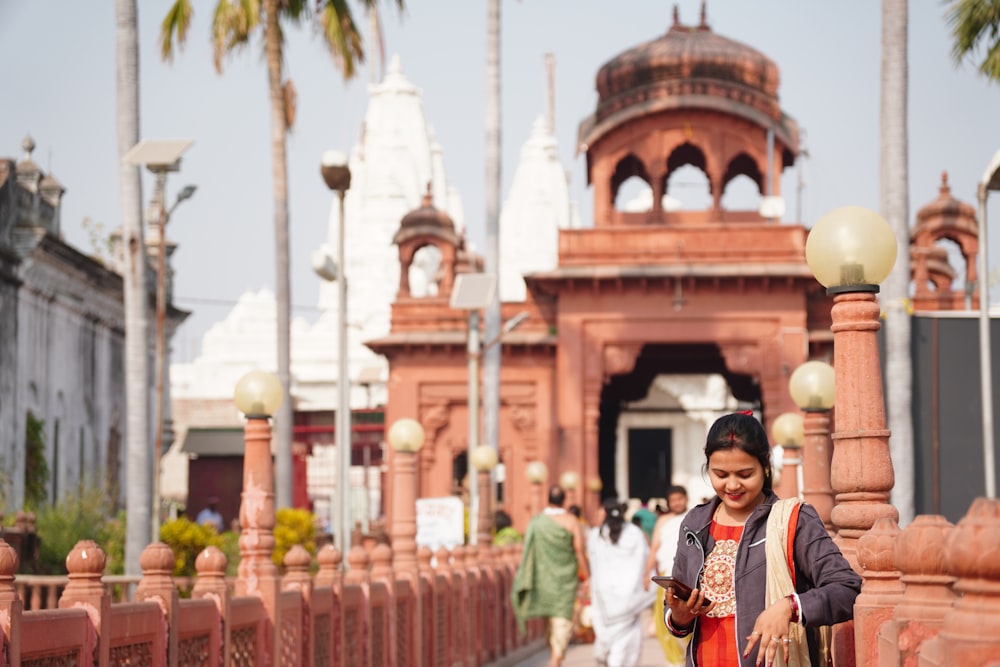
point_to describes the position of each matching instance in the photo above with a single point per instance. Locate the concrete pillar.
(881, 590)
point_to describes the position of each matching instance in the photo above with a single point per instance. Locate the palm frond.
(341, 34)
(176, 22)
(975, 28)
(233, 24)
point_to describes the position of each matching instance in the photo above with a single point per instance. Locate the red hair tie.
(748, 413)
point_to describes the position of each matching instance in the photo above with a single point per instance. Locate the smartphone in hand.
(681, 590)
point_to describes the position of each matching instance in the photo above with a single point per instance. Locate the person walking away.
(661, 561)
(617, 551)
(552, 565)
(725, 553)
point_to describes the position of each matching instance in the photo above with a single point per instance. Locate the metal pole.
(343, 427)
(473, 353)
(161, 317)
(985, 362)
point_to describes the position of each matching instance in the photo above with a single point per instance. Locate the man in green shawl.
(552, 565)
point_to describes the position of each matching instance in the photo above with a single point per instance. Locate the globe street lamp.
(536, 472)
(406, 437)
(812, 386)
(569, 481)
(337, 177)
(851, 250)
(787, 432)
(484, 460)
(258, 395)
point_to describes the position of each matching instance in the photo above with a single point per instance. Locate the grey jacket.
(824, 580)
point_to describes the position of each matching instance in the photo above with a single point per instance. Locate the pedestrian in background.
(553, 565)
(617, 550)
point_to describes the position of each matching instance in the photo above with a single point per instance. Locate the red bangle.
(795, 608)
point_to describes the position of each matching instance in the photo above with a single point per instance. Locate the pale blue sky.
(58, 84)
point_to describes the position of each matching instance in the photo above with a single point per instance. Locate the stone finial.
(157, 584)
(157, 558)
(85, 564)
(876, 547)
(357, 560)
(86, 560)
(210, 565)
(973, 548)
(382, 562)
(329, 560)
(424, 557)
(8, 562)
(971, 631)
(297, 561)
(677, 16)
(945, 189)
(920, 547)
(28, 144)
(442, 559)
(297, 558)
(211, 562)
(703, 18)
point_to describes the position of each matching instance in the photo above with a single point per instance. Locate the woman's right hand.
(684, 612)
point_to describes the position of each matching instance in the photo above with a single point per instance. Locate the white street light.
(990, 181)
(160, 157)
(337, 177)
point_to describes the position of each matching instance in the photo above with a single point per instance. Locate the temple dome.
(427, 220)
(688, 59)
(689, 67)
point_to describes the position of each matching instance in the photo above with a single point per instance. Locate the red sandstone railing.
(454, 612)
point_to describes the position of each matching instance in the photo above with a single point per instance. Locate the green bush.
(187, 539)
(82, 516)
(293, 526)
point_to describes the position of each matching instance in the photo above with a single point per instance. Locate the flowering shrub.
(294, 526)
(187, 539)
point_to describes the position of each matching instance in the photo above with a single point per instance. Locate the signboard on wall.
(440, 522)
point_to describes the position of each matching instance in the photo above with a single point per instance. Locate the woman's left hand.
(770, 631)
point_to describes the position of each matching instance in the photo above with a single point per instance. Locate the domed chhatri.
(688, 60)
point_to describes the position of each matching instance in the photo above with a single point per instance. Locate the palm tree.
(233, 25)
(975, 29)
(491, 328)
(137, 507)
(894, 196)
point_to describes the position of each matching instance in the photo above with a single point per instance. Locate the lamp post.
(536, 472)
(258, 395)
(161, 336)
(484, 460)
(406, 437)
(160, 157)
(787, 432)
(473, 292)
(595, 486)
(851, 250)
(990, 181)
(337, 177)
(812, 387)
(569, 481)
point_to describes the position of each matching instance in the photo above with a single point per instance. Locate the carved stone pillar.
(861, 472)
(817, 452)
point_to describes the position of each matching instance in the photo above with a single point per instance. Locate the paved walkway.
(582, 655)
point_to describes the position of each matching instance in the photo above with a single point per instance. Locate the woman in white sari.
(617, 551)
